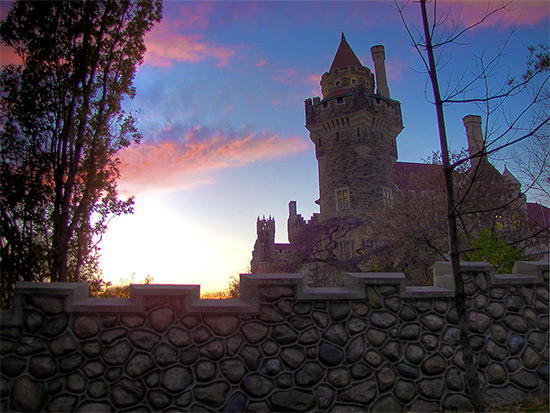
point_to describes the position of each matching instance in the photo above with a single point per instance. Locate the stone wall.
(371, 345)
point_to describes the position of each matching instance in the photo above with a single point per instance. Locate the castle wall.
(371, 345)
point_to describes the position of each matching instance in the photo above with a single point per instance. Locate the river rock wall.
(371, 345)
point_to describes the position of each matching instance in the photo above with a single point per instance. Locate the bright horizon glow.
(221, 97)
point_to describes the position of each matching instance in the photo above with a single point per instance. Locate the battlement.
(371, 343)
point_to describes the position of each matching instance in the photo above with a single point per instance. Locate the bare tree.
(474, 90)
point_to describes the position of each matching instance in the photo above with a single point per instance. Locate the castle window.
(387, 196)
(339, 101)
(342, 198)
(325, 105)
(337, 83)
(346, 249)
(353, 80)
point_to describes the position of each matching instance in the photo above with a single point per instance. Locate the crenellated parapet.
(372, 343)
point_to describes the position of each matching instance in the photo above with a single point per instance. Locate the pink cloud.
(395, 68)
(185, 164)
(9, 56)
(522, 13)
(165, 46)
(195, 15)
(261, 63)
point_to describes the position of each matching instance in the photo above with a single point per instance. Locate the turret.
(476, 144)
(354, 131)
(378, 57)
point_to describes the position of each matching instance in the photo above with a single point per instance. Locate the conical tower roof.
(345, 57)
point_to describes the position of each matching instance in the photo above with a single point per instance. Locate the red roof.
(402, 171)
(539, 214)
(344, 56)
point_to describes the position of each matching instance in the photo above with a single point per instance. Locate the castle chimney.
(472, 123)
(378, 57)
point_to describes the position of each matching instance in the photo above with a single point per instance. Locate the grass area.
(524, 406)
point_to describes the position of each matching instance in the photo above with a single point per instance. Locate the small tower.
(354, 131)
(263, 254)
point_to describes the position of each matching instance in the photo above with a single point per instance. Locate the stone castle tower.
(264, 247)
(354, 129)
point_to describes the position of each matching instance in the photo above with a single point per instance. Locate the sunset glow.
(220, 98)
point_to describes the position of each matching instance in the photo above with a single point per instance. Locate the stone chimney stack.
(378, 57)
(472, 123)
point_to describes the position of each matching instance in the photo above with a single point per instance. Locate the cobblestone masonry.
(372, 345)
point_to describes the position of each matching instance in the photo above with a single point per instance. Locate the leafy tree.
(491, 248)
(474, 90)
(62, 128)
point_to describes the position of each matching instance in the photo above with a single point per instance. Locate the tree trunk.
(472, 379)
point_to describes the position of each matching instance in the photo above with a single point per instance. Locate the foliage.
(492, 248)
(232, 290)
(62, 128)
(525, 406)
(119, 290)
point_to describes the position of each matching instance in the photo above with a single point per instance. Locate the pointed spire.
(344, 56)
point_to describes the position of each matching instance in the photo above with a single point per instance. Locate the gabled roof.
(345, 56)
(539, 214)
(403, 171)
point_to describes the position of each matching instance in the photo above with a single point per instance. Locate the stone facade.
(371, 345)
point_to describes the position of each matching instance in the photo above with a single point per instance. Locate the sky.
(221, 109)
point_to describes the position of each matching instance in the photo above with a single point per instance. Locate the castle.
(354, 129)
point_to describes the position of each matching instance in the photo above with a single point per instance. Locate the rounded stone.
(254, 332)
(339, 377)
(495, 310)
(432, 322)
(392, 350)
(223, 325)
(499, 333)
(434, 365)
(457, 402)
(205, 370)
(408, 371)
(97, 389)
(325, 396)
(251, 356)
(300, 323)
(285, 381)
(233, 369)
(309, 336)
(387, 404)
(127, 392)
(177, 378)
(76, 382)
(530, 358)
(356, 325)
(272, 367)
(321, 319)
(516, 323)
(430, 341)
(256, 385)
(414, 353)
(310, 374)
(302, 308)
(496, 352)
(453, 378)
(159, 399)
(496, 373)
(212, 395)
(132, 321)
(362, 393)
(339, 310)
(330, 355)
(479, 322)
(292, 400)
(27, 395)
(47, 304)
(537, 339)
(409, 331)
(143, 339)
(178, 337)
(373, 358)
(355, 349)
(63, 345)
(283, 334)
(139, 364)
(525, 380)
(235, 404)
(431, 388)
(405, 390)
(71, 362)
(513, 303)
(376, 337)
(92, 348)
(34, 321)
(270, 348)
(383, 319)
(43, 366)
(337, 334)
(385, 377)
(408, 313)
(93, 369)
(117, 354)
(515, 344)
(62, 403)
(360, 371)
(165, 355)
(161, 319)
(270, 314)
(213, 350)
(85, 326)
(111, 335)
(189, 355)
